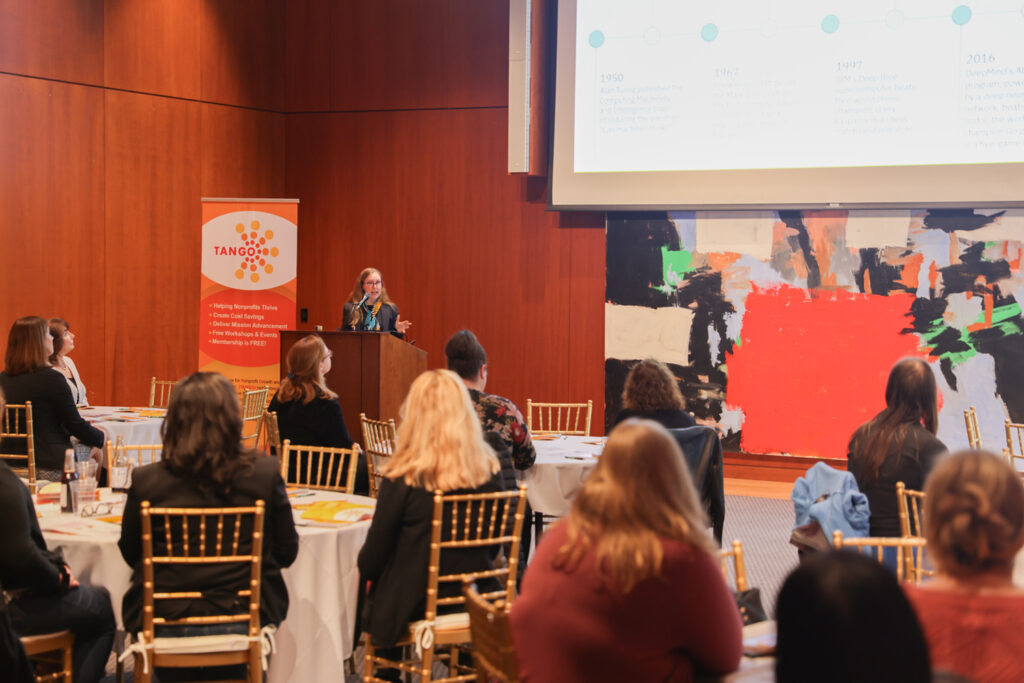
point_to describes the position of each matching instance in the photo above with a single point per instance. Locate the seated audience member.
(63, 344)
(44, 595)
(652, 392)
(897, 444)
(841, 617)
(467, 358)
(628, 587)
(205, 465)
(308, 412)
(971, 613)
(440, 447)
(27, 376)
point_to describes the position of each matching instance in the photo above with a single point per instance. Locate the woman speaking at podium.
(371, 309)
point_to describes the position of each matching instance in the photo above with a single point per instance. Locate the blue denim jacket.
(831, 498)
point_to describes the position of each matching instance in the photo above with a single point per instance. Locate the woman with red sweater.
(628, 587)
(972, 614)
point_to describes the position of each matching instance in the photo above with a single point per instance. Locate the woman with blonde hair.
(651, 392)
(440, 447)
(971, 613)
(308, 412)
(370, 308)
(628, 587)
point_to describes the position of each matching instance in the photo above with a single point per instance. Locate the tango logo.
(255, 251)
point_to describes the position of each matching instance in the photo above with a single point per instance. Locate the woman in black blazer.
(371, 309)
(205, 465)
(440, 447)
(27, 376)
(308, 412)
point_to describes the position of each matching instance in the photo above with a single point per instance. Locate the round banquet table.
(563, 463)
(135, 426)
(315, 638)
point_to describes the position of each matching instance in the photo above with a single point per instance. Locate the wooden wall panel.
(242, 52)
(153, 241)
(423, 195)
(475, 50)
(53, 39)
(51, 212)
(309, 44)
(243, 153)
(154, 47)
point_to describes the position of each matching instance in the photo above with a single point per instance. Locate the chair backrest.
(973, 434)
(909, 503)
(272, 442)
(1014, 443)
(17, 431)
(494, 653)
(318, 467)
(474, 520)
(379, 444)
(160, 392)
(51, 654)
(703, 452)
(138, 454)
(254, 404)
(559, 418)
(190, 537)
(913, 547)
(739, 566)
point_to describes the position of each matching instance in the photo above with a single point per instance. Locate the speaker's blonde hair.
(440, 444)
(640, 494)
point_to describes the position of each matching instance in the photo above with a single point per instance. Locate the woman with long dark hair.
(63, 344)
(28, 376)
(628, 587)
(205, 465)
(897, 444)
(370, 308)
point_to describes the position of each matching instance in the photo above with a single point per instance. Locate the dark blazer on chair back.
(703, 452)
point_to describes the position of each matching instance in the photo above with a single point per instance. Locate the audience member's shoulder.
(264, 465)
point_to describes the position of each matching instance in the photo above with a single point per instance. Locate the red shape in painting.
(812, 367)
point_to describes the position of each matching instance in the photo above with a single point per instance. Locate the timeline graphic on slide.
(665, 85)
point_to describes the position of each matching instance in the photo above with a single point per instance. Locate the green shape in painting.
(674, 265)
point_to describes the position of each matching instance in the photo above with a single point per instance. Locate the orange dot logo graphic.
(256, 251)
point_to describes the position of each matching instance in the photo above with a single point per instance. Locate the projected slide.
(664, 85)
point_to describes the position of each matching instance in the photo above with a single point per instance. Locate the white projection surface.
(810, 103)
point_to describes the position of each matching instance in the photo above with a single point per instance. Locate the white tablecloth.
(317, 635)
(117, 421)
(561, 467)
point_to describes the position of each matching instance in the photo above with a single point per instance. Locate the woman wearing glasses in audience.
(63, 344)
(205, 465)
(440, 447)
(308, 412)
(27, 376)
(628, 587)
(897, 444)
(972, 614)
(371, 309)
(42, 593)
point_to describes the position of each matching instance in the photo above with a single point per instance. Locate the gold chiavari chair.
(254, 404)
(319, 467)
(180, 538)
(973, 434)
(559, 418)
(51, 653)
(379, 444)
(912, 547)
(494, 654)
(138, 454)
(1014, 450)
(739, 566)
(469, 521)
(272, 433)
(909, 503)
(160, 392)
(17, 433)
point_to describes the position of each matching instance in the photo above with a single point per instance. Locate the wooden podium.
(371, 372)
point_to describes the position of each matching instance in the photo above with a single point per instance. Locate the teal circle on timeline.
(961, 15)
(709, 32)
(596, 39)
(830, 24)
